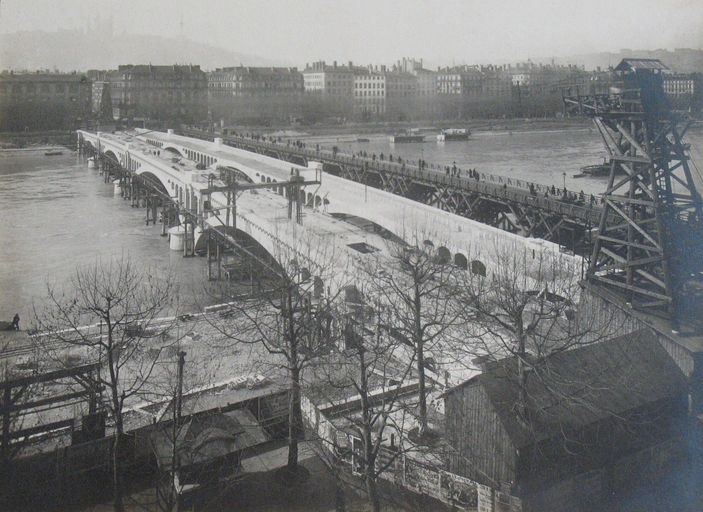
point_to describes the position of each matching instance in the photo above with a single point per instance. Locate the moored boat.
(407, 136)
(450, 134)
(598, 170)
(53, 153)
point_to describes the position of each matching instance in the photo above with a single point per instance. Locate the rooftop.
(574, 388)
(636, 64)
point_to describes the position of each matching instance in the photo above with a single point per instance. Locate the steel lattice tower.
(648, 248)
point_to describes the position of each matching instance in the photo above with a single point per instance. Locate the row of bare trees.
(401, 317)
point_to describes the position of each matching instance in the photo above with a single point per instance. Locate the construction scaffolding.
(648, 243)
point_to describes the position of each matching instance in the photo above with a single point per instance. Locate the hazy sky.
(442, 31)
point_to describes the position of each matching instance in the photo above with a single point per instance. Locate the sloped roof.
(635, 64)
(208, 437)
(578, 387)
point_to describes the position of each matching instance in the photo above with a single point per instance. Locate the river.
(57, 213)
(550, 157)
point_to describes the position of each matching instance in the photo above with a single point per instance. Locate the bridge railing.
(499, 187)
(387, 165)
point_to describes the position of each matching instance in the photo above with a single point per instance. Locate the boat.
(407, 136)
(450, 134)
(362, 139)
(53, 153)
(596, 171)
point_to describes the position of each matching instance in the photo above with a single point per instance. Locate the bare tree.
(524, 305)
(109, 311)
(291, 318)
(416, 289)
(369, 372)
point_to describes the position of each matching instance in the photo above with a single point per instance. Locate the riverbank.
(19, 151)
(21, 140)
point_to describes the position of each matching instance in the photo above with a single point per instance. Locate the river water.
(547, 157)
(57, 213)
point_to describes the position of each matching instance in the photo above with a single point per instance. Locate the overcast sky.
(381, 31)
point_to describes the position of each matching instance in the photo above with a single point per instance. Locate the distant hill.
(69, 50)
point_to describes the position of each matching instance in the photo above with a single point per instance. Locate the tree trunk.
(367, 442)
(116, 473)
(420, 350)
(340, 502)
(294, 418)
(421, 388)
(522, 372)
(372, 491)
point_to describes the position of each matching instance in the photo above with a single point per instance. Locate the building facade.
(43, 101)
(685, 90)
(165, 94)
(329, 89)
(251, 94)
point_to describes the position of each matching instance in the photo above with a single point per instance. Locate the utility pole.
(179, 390)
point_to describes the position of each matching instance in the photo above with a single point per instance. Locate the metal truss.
(650, 226)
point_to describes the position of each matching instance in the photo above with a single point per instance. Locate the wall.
(482, 449)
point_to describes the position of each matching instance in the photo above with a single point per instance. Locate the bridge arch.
(172, 149)
(111, 154)
(370, 226)
(159, 181)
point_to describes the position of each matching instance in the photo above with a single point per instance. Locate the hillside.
(69, 50)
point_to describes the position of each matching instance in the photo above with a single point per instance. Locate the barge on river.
(408, 136)
(450, 134)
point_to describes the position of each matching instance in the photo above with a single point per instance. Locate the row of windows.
(45, 88)
(158, 85)
(254, 85)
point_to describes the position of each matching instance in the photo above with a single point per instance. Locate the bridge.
(175, 173)
(324, 222)
(511, 204)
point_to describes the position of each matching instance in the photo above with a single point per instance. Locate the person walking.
(16, 322)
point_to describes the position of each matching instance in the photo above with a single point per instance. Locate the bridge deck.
(265, 211)
(499, 188)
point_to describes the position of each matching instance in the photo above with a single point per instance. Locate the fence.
(403, 470)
